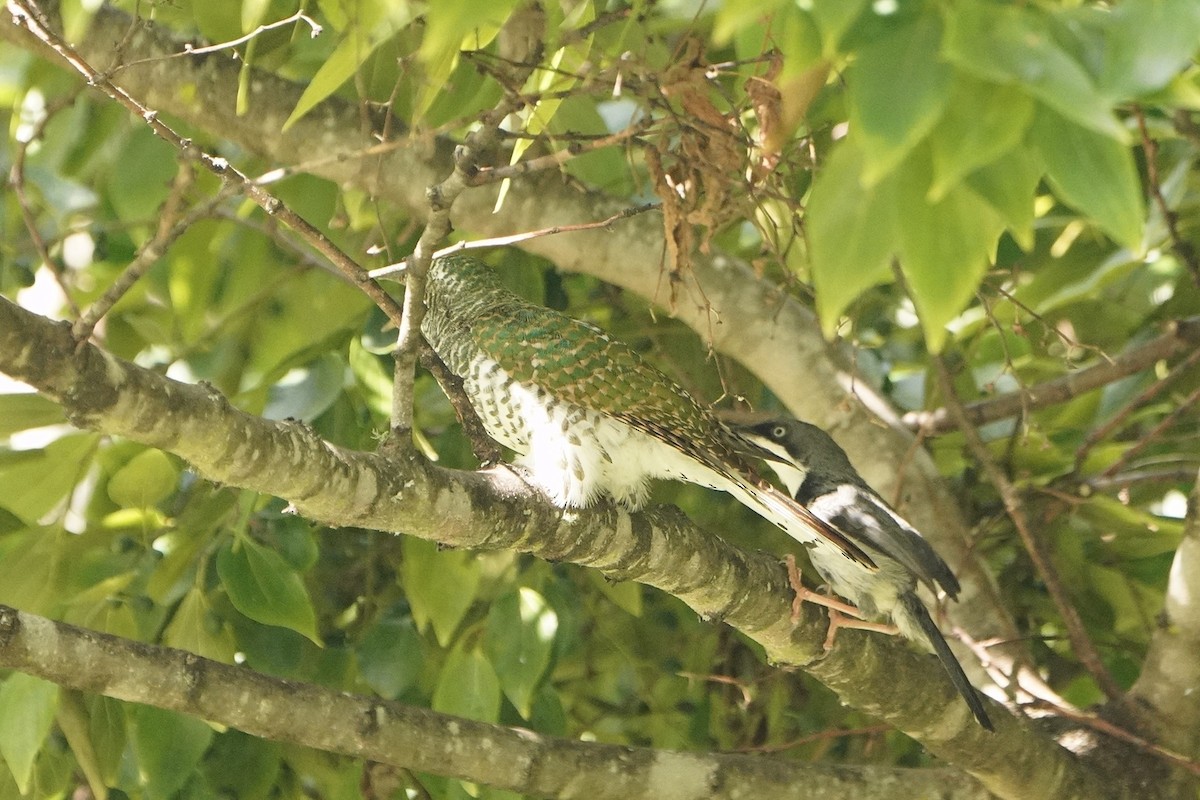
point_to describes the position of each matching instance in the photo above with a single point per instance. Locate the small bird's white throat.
(788, 471)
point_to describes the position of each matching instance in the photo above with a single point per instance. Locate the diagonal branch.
(493, 509)
(1181, 335)
(1080, 642)
(745, 317)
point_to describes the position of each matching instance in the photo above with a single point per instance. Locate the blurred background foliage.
(1014, 160)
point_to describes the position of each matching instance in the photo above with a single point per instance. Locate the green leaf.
(377, 22)
(944, 247)
(106, 729)
(983, 121)
(453, 25)
(197, 628)
(1149, 43)
(1012, 44)
(140, 176)
(306, 392)
(262, 586)
(625, 595)
(440, 585)
(243, 767)
(835, 17)
(519, 640)
(390, 657)
(468, 686)
(1092, 173)
(169, 747)
(42, 479)
(27, 706)
(852, 234)
(146, 480)
(897, 91)
(1009, 185)
(20, 412)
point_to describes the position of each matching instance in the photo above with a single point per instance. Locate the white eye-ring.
(778, 432)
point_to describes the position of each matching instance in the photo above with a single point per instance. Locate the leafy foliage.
(969, 178)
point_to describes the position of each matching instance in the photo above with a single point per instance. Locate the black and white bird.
(817, 472)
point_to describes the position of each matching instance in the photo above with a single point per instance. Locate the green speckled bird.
(585, 414)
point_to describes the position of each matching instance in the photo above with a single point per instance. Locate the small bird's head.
(801, 449)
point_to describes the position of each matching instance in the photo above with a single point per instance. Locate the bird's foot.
(803, 593)
(841, 613)
(839, 619)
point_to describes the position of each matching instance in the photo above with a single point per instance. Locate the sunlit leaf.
(467, 686)
(944, 247)
(27, 410)
(897, 91)
(1093, 173)
(519, 640)
(440, 585)
(27, 706)
(983, 121)
(148, 479)
(1014, 44)
(853, 233)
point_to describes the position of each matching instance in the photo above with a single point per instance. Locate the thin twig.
(1088, 656)
(1180, 333)
(1179, 245)
(16, 179)
(1153, 434)
(1108, 728)
(491, 174)
(28, 16)
(515, 238)
(1100, 434)
(170, 227)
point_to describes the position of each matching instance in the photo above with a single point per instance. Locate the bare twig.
(550, 160)
(515, 238)
(16, 179)
(1153, 434)
(1118, 419)
(1179, 245)
(1180, 334)
(26, 15)
(1088, 656)
(170, 227)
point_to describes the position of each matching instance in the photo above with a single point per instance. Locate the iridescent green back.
(472, 315)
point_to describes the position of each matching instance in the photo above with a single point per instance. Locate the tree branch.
(743, 316)
(1181, 335)
(423, 740)
(493, 509)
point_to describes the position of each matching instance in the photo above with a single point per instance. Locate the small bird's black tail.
(916, 611)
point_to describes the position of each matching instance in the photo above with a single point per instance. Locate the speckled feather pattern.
(543, 383)
(471, 316)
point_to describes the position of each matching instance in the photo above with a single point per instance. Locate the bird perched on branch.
(585, 414)
(820, 476)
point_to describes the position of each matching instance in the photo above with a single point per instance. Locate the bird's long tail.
(918, 616)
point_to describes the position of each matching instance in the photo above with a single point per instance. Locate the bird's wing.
(580, 364)
(861, 514)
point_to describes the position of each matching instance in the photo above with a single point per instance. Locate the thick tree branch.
(743, 316)
(423, 740)
(495, 510)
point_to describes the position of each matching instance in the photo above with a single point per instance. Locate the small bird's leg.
(804, 593)
(841, 614)
(839, 620)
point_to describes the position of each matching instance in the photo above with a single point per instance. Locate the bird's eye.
(777, 432)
